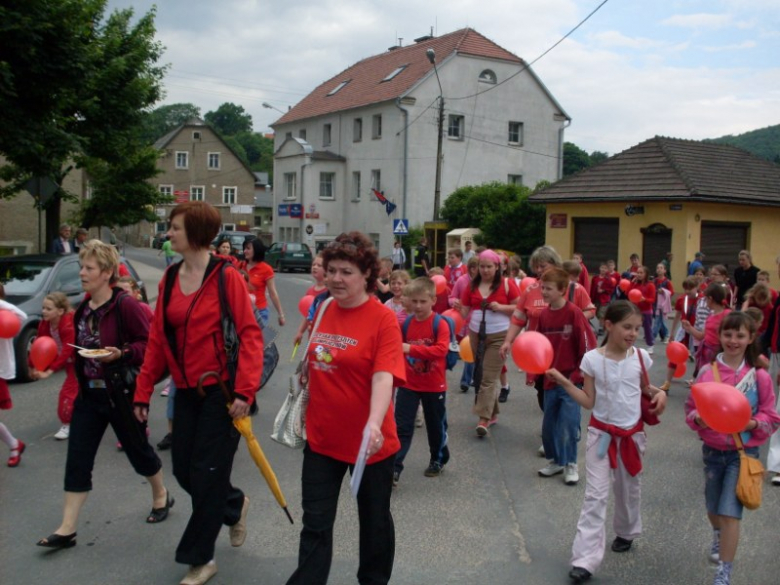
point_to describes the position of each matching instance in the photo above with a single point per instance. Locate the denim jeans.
(721, 472)
(560, 426)
(659, 326)
(321, 482)
(264, 315)
(467, 376)
(435, 411)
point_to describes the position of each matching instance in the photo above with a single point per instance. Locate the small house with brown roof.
(668, 195)
(375, 126)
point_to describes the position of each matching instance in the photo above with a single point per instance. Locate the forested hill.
(764, 142)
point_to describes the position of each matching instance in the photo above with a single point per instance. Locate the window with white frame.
(229, 195)
(455, 126)
(515, 133)
(289, 185)
(214, 161)
(196, 135)
(376, 126)
(229, 227)
(197, 193)
(326, 131)
(327, 185)
(376, 179)
(514, 179)
(166, 190)
(395, 72)
(302, 133)
(356, 186)
(339, 87)
(357, 130)
(182, 159)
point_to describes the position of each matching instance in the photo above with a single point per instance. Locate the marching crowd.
(378, 347)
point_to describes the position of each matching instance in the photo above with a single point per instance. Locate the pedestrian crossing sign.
(400, 227)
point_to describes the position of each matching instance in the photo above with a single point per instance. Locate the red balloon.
(305, 304)
(624, 284)
(724, 408)
(676, 352)
(526, 282)
(10, 324)
(681, 369)
(440, 282)
(43, 352)
(635, 296)
(456, 317)
(532, 352)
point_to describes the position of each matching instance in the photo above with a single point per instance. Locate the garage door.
(656, 242)
(597, 240)
(721, 243)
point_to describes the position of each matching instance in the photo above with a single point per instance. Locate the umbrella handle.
(207, 375)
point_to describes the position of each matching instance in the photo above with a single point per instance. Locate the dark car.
(28, 279)
(237, 240)
(284, 256)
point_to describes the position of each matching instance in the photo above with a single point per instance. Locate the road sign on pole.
(400, 227)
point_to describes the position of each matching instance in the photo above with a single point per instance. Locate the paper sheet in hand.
(360, 463)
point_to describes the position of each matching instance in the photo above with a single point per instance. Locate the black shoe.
(504, 394)
(578, 574)
(166, 442)
(464, 388)
(435, 469)
(158, 515)
(396, 478)
(57, 541)
(620, 545)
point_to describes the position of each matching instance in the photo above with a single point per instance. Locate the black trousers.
(435, 411)
(92, 413)
(321, 482)
(204, 444)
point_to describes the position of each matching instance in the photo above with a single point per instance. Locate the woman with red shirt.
(186, 339)
(352, 369)
(493, 298)
(642, 283)
(261, 277)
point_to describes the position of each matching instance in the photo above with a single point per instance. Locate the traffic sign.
(400, 227)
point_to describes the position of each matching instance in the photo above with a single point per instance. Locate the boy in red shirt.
(571, 337)
(601, 288)
(455, 267)
(426, 382)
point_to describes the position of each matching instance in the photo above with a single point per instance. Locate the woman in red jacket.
(57, 323)
(186, 338)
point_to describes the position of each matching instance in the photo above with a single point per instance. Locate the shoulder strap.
(715, 371)
(436, 320)
(572, 288)
(644, 380)
(405, 326)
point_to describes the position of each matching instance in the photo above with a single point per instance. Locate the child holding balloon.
(736, 366)
(645, 299)
(614, 378)
(12, 322)
(57, 324)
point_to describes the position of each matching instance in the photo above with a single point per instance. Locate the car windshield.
(296, 248)
(237, 241)
(23, 278)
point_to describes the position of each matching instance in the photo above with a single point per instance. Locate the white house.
(374, 125)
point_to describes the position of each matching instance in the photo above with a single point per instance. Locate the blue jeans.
(435, 411)
(467, 376)
(264, 315)
(560, 426)
(659, 326)
(721, 471)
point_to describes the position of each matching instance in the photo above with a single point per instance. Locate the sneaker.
(165, 391)
(418, 420)
(199, 574)
(621, 545)
(540, 451)
(396, 478)
(166, 443)
(482, 430)
(551, 469)
(504, 394)
(571, 475)
(435, 469)
(723, 574)
(63, 433)
(776, 479)
(665, 387)
(464, 388)
(650, 350)
(493, 421)
(119, 447)
(715, 548)
(579, 575)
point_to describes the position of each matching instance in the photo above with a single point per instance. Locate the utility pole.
(431, 54)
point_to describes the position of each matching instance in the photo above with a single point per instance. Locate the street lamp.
(270, 107)
(431, 54)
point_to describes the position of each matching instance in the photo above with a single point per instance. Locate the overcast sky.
(636, 69)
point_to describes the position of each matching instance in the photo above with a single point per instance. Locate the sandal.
(58, 541)
(159, 514)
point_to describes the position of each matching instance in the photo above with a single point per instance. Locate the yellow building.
(668, 195)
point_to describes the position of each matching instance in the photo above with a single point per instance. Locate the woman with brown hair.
(186, 338)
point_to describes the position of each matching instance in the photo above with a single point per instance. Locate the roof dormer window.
(338, 88)
(395, 72)
(487, 76)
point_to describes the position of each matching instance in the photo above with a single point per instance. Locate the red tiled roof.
(672, 168)
(365, 77)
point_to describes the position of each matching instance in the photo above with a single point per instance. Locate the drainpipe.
(406, 154)
(303, 193)
(560, 148)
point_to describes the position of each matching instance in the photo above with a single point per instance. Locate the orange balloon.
(10, 324)
(526, 282)
(624, 284)
(724, 408)
(440, 283)
(43, 352)
(305, 304)
(681, 369)
(635, 296)
(456, 317)
(532, 352)
(466, 354)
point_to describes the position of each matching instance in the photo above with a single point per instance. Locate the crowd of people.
(374, 385)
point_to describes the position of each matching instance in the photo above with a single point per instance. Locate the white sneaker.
(551, 469)
(571, 476)
(63, 433)
(776, 479)
(650, 350)
(540, 451)
(418, 420)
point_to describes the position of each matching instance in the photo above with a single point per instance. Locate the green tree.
(229, 119)
(597, 157)
(73, 89)
(574, 159)
(162, 120)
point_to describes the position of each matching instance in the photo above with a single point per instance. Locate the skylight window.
(338, 87)
(395, 72)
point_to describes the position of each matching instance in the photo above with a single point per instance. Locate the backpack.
(453, 353)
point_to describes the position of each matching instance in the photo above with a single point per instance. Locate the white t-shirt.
(617, 397)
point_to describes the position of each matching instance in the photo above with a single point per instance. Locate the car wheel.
(23, 343)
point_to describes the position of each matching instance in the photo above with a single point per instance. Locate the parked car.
(237, 240)
(28, 279)
(158, 240)
(284, 256)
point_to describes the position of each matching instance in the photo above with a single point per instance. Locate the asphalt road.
(488, 520)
